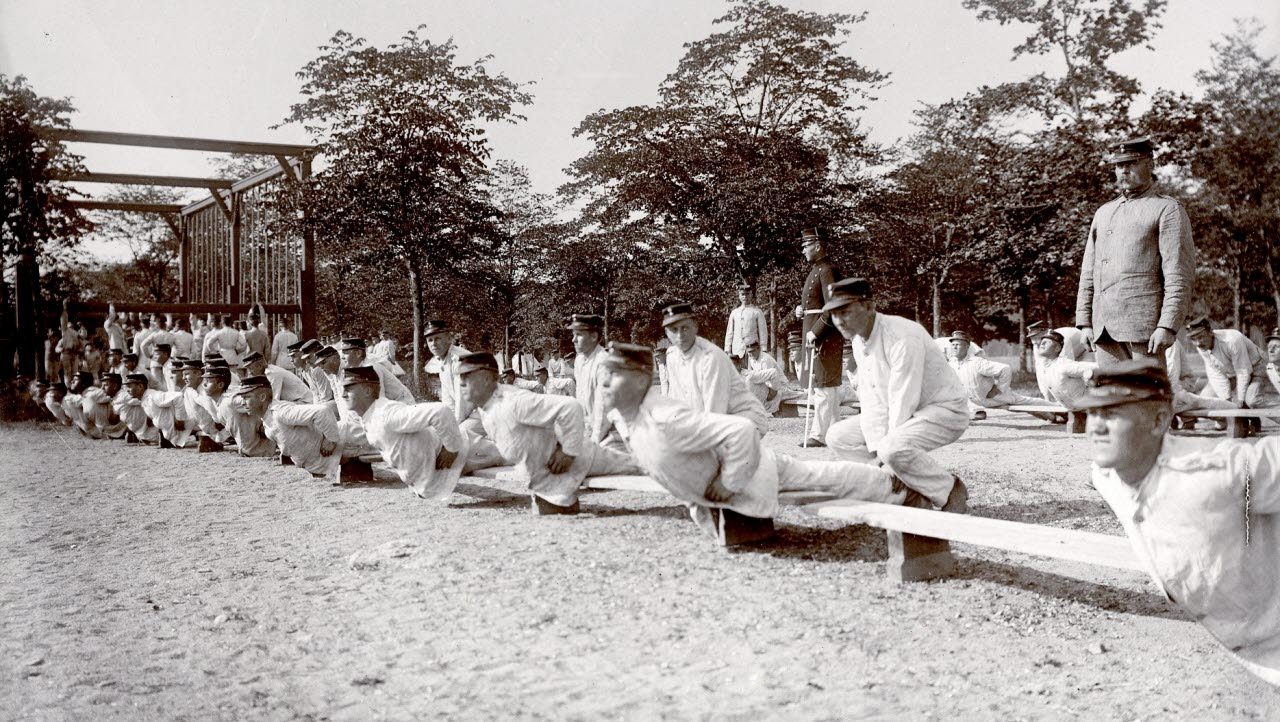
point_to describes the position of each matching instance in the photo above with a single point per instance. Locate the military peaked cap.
(1130, 150)
(842, 293)
(360, 375)
(676, 313)
(629, 357)
(1126, 382)
(476, 362)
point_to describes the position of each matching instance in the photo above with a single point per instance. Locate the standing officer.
(820, 334)
(1138, 270)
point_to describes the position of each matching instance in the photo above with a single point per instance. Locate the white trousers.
(842, 479)
(904, 450)
(825, 412)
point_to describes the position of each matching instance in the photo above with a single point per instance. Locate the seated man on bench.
(422, 443)
(1205, 521)
(545, 436)
(716, 461)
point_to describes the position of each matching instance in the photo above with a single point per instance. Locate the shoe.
(542, 507)
(813, 444)
(165, 443)
(207, 445)
(958, 499)
(131, 438)
(978, 416)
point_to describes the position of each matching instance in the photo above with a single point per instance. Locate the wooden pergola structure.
(231, 252)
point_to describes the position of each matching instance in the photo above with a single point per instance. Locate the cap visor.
(675, 319)
(836, 303)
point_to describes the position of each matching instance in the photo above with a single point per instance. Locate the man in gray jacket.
(1138, 271)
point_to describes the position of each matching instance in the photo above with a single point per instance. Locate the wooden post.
(183, 263)
(307, 279)
(237, 273)
(26, 290)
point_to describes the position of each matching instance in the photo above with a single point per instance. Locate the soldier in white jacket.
(129, 407)
(422, 443)
(1061, 378)
(701, 375)
(746, 322)
(285, 385)
(99, 412)
(988, 382)
(354, 354)
(543, 435)
(168, 411)
(307, 434)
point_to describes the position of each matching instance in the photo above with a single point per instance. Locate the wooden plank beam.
(173, 226)
(90, 205)
(287, 168)
(227, 308)
(217, 198)
(150, 180)
(1070, 544)
(71, 135)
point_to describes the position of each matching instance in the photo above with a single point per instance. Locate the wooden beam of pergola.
(150, 180)
(228, 308)
(72, 135)
(135, 207)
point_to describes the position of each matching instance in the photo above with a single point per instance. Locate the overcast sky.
(226, 69)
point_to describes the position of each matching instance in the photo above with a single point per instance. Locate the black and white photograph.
(716, 360)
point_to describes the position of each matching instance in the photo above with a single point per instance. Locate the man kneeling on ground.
(422, 443)
(716, 461)
(1204, 518)
(543, 435)
(307, 433)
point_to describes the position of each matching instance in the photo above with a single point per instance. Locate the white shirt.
(183, 343)
(706, 380)
(226, 342)
(1064, 379)
(980, 376)
(526, 428)
(115, 334)
(1186, 521)
(761, 363)
(450, 381)
(285, 385)
(902, 375)
(587, 376)
(299, 429)
(745, 322)
(409, 437)
(280, 348)
(1233, 356)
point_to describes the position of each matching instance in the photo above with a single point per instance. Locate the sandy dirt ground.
(142, 584)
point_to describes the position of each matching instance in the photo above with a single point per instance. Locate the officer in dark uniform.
(820, 334)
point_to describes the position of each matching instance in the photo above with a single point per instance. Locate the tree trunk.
(1271, 275)
(937, 306)
(1236, 294)
(605, 338)
(415, 296)
(26, 291)
(1024, 303)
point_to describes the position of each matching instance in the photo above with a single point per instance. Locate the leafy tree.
(402, 132)
(755, 135)
(152, 242)
(37, 221)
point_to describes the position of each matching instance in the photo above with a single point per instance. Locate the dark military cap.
(961, 336)
(130, 355)
(843, 293)
(1056, 337)
(1274, 335)
(255, 356)
(811, 235)
(1132, 149)
(217, 372)
(350, 343)
(476, 362)
(676, 312)
(310, 346)
(137, 379)
(167, 348)
(325, 352)
(116, 351)
(1126, 382)
(629, 357)
(110, 376)
(86, 379)
(217, 362)
(360, 375)
(1200, 322)
(434, 327)
(250, 384)
(193, 363)
(585, 322)
(294, 346)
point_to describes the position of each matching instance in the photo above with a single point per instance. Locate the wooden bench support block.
(734, 529)
(914, 558)
(490, 473)
(1239, 428)
(355, 470)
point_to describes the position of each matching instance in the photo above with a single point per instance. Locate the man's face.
(136, 390)
(113, 359)
(330, 364)
(744, 296)
(353, 357)
(159, 356)
(1134, 174)
(585, 341)
(178, 378)
(682, 334)
(259, 400)
(359, 397)
(1048, 348)
(1118, 434)
(440, 343)
(258, 368)
(1202, 338)
(74, 385)
(959, 349)
(131, 364)
(193, 377)
(213, 386)
(624, 389)
(1273, 352)
(854, 319)
(812, 250)
(111, 387)
(754, 351)
(477, 386)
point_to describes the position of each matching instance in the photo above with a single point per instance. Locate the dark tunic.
(830, 344)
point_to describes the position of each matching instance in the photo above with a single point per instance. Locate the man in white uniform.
(98, 409)
(988, 382)
(588, 347)
(765, 379)
(701, 375)
(285, 385)
(1236, 368)
(1203, 515)
(209, 418)
(353, 354)
(1062, 379)
(544, 436)
(422, 443)
(168, 412)
(746, 322)
(445, 358)
(385, 351)
(716, 461)
(307, 434)
(912, 400)
(129, 407)
(284, 338)
(224, 341)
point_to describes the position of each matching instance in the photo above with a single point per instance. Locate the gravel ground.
(145, 584)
